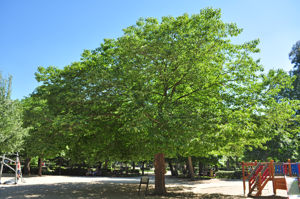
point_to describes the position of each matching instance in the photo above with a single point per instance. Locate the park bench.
(144, 180)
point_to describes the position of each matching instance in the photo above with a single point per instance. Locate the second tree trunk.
(159, 164)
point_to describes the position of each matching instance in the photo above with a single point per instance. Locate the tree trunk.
(26, 169)
(171, 168)
(159, 163)
(143, 168)
(99, 166)
(105, 165)
(237, 163)
(60, 164)
(228, 164)
(191, 169)
(133, 165)
(175, 169)
(183, 169)
(40, 165)
(200, 168)
(126, 168)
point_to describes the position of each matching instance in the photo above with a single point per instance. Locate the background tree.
(86, 116)
(295, 93)
(283, 146)
(295, 59)
(11, 131)
(43, 140)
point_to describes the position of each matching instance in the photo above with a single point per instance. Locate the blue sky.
(43, 33)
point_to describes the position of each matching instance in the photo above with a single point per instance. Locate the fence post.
(2, 163)
(272, 173)
(259, 183)
(244, 178)
(290, 168)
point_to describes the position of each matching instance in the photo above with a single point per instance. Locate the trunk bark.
(126, 168)
(60, 164)
(99, 166)
(159, 163)
(133, 165)
(237, 163)
(143, 168)
(40, 165)
(183, 169)
(171, 168)
(26, 168)
(105, 164)
(175, 170)
(228, 164)
(191, 169)
(200, 168)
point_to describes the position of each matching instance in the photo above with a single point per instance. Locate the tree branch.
(152, 119)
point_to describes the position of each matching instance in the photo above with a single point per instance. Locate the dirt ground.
(64, 187)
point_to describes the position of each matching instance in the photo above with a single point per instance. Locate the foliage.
(295, 54)
(286, 140)
(180, 80)
(177, 87)
(85, 119)
(42, 140)
(295, 59)
(295, 92)
(229, 174)
(280, 148)
(11, 131)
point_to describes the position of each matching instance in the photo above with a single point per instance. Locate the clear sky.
(43, 33)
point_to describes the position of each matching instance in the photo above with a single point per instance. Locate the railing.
(253, 177)
(295, 169)
(264, 172)
(259, 178)
(281, 168)
(254, 171)
(290, 169)
(262, 180)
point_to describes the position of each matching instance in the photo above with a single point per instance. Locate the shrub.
(70, 171)
(229, 174)
(45, 171)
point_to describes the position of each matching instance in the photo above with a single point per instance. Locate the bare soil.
(64, 187)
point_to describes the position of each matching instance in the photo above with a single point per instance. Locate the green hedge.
(62, 171)
(229, 174)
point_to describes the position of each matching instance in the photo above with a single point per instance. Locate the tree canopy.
(11, 131)
(178, 86)
(295, 59)
(282, 145)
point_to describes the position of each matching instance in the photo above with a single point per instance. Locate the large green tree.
(184, 85)
(190, 90)
(11, 131)
(169, 87)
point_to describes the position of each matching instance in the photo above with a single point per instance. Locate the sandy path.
(64, 187)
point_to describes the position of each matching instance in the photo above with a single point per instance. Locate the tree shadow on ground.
(270, 197)
(70, 191)
(99, 190)
(185, 192)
